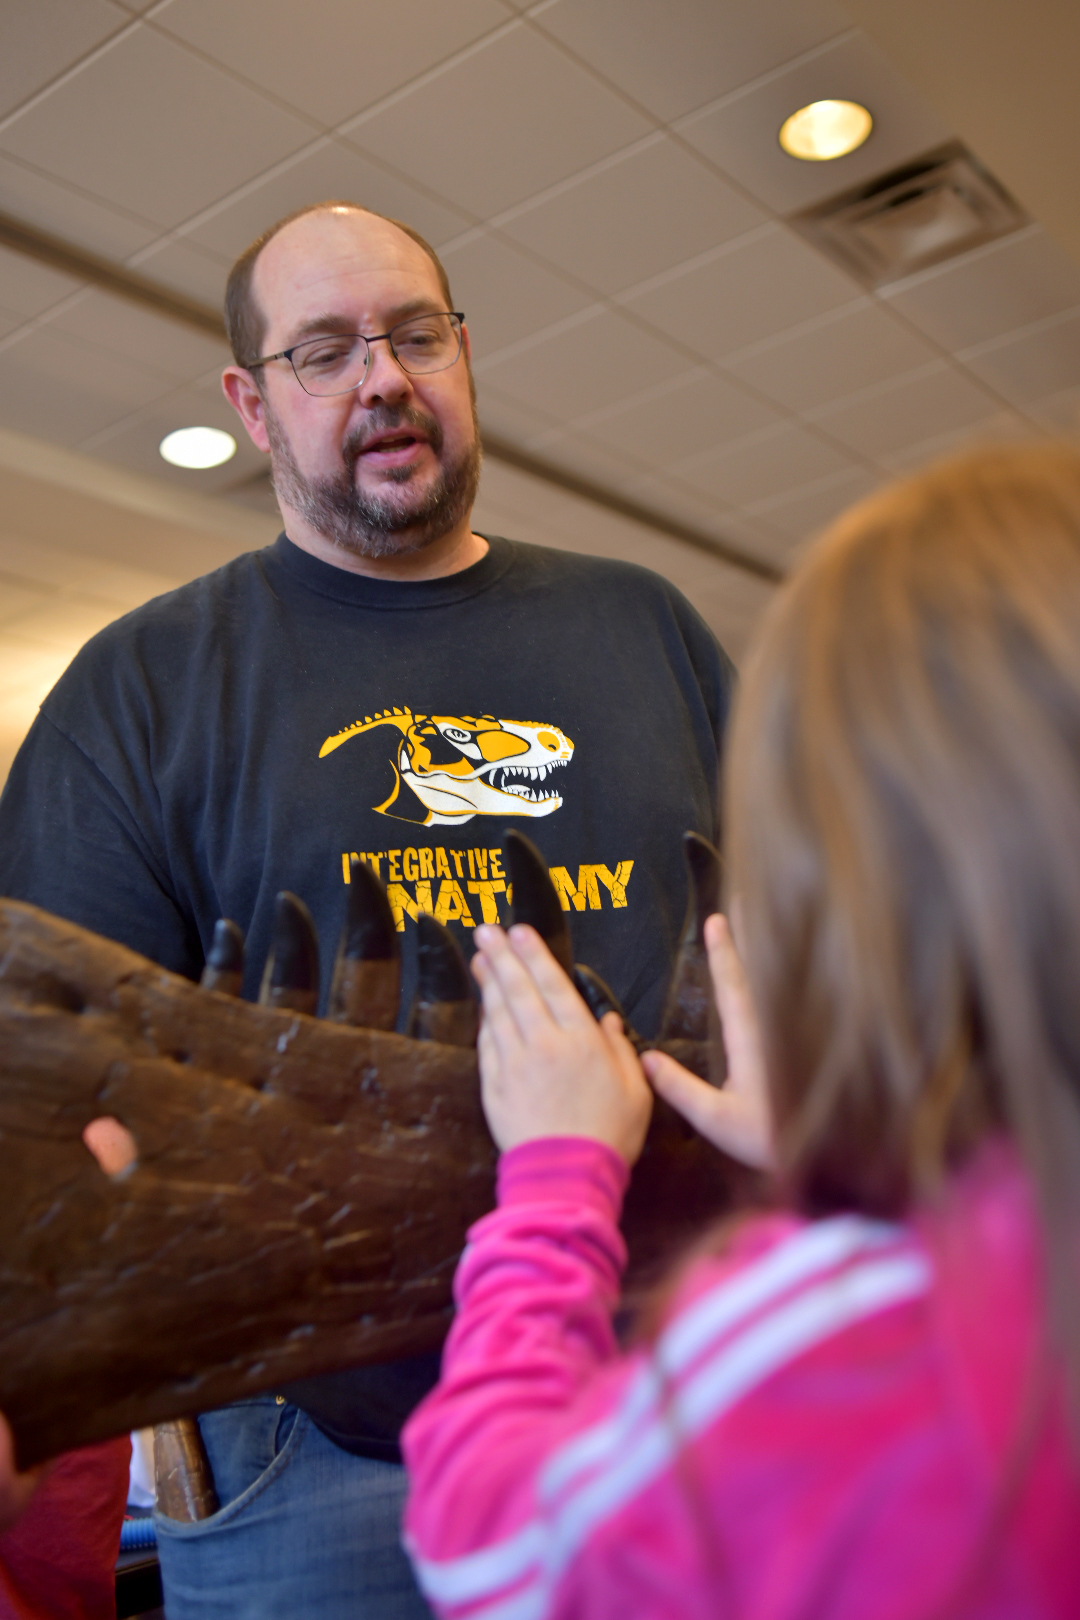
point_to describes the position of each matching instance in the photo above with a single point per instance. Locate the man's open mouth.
(516, 779)
(402, 441)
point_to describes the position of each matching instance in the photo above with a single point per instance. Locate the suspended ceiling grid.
(603, 181)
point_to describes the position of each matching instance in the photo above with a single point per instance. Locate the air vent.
(935, 209)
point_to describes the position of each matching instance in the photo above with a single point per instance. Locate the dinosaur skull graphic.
(449, 768)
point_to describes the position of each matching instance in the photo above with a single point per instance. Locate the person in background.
(865, 1401)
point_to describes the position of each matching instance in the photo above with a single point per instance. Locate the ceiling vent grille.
(935, 209)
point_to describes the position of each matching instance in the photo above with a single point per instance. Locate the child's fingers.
(728, 1120)
(551, 983)
(726, 969)
(503, 1036)
(505, 980)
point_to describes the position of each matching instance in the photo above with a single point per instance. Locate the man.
(386, 683)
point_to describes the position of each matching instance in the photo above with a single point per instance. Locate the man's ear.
(242, 393)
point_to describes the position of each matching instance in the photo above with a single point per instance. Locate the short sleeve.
(69, 844)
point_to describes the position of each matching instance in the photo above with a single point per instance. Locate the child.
(864, 1403)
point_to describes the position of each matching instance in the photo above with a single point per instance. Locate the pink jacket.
(838, 1418)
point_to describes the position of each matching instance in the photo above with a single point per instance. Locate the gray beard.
(395, 520)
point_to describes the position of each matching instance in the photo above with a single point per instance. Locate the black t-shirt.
(252, 730)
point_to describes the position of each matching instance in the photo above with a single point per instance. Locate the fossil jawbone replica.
(302, 1186)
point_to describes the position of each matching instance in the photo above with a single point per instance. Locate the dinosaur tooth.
(444, 1007)
(291, 976)
(535, 899)
(366, 984)
(225, 959)
(690, 1010)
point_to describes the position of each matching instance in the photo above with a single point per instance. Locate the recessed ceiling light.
(197, 447)
(825, 130)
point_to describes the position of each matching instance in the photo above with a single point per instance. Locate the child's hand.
(736, 1116)
(547, 1068)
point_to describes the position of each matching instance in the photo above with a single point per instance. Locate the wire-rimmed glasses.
(338, 362)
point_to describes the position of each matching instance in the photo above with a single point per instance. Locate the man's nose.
(384, 378)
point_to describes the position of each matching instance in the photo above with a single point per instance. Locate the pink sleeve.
(535, 1291)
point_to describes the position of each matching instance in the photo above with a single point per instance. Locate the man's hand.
(15, 1489)
(547, 1068)
(736, 1116)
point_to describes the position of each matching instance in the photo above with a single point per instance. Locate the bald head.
(331, 228)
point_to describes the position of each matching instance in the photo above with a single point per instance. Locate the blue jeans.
(304, 1529)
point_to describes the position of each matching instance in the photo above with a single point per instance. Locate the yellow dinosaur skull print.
(449, 768)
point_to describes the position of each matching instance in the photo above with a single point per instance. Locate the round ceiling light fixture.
(825, 130)
(197, 447)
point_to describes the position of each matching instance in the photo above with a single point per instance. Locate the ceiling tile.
(1031, 364)
(512, 118)
(77, 572)
(690, 506)
(681, 418)
(191, 269)
(886, 420)
(17, 599)
(577, 453)
(741, 134)
(748, 291)
(1008, 284)
(1005, 428)
(678, 56)
(852, 350)
(779, 459)
(27, 288)
(352, 54)
(177, 352)
(152, 128)
(509, 418)
(335, 171)
(63, 390)
(505, 294)
(592, 364)
(42, 38)
(60, 624)
(126, 588)
(68, 213)
(1059, 413)
(800, 515)
(635, 217)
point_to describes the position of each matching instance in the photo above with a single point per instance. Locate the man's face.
(393, 465)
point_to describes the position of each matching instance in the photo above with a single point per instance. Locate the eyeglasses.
(338, 363)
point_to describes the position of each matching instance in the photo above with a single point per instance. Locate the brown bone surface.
(299, 1201)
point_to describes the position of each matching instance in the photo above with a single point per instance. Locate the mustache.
(385, 419)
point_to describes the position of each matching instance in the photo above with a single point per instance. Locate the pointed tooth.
(690, 1011)
(444, 1007)
(535, 899)
(224, 968)
(600, 999)
(706, 870)
(366, 984)
(291, 976)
